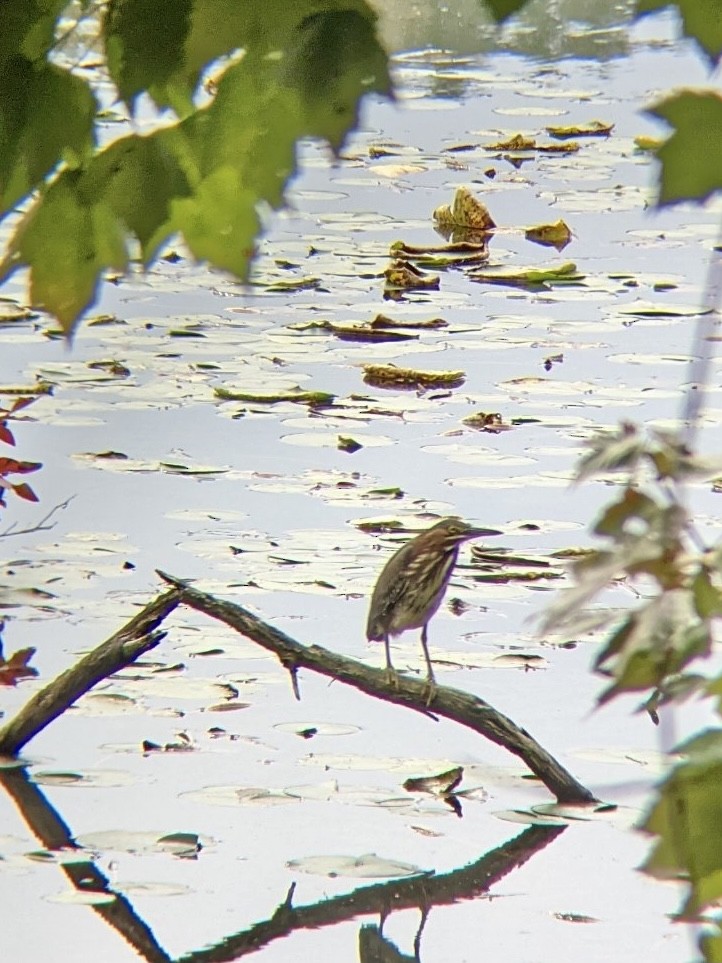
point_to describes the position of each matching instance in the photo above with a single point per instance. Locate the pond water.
(257, 503)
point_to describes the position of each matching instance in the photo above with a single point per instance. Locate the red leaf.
(17, 667)
(10, 466)
(22, 403)
(5, 434)
(25, 491)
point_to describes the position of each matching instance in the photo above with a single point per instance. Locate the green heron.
(412, 584)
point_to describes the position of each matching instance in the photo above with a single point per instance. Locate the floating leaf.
(440, 784)
(403, 276)
(382, 321)
(466, 213)
(355, 332)
(520, 143)
(555, 235)
(533, 277)
(311, 398)
(348, 445)
(368, 866)
(458, 254)
(389, 376)
(238, 796)
(126, 841)
(486, 421)
(595, 128)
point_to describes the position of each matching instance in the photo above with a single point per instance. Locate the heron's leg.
(430, 678)
(391, 674)
(425, 647)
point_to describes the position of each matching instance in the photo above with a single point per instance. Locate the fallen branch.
(121, 649)
(461, 707)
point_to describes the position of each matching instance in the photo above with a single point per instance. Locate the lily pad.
(368, 866)
(390, 376)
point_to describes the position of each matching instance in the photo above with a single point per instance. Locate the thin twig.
(41, 525)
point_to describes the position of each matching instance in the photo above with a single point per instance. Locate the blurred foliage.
(215, 154)
(224, 92)
(650, 546)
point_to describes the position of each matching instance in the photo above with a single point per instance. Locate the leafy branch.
(285, 72)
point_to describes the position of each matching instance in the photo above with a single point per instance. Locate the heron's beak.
(481, 533)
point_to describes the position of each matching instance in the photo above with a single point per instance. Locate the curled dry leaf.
(490, 421)
(456, 254)
(389, 376)
(440, 785)
(555, 235)
(466, 212)
(402, 276)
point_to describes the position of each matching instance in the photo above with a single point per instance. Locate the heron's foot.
(392, 676)
(430, 690)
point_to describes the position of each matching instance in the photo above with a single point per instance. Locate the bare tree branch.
(120, 650)
(461, 707)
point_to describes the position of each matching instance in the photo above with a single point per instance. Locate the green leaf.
(334, 60)
(219, 222)
(707, 597)
(501, 10)
(44, 112)
(28, 29)
(701, 20)
(633, 505)
(304, 68)
(252, 127)
(655, 641)
(139, 177)
(612, 451)
(692, 156)
(144, 44)
(711, 943)
(687, 818)
(164, 47)
(67, 239)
